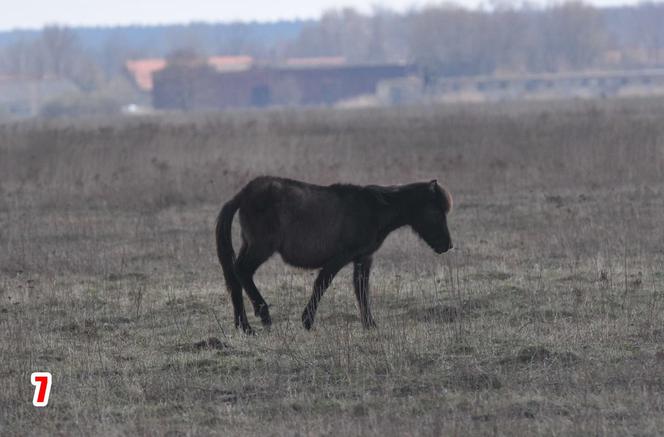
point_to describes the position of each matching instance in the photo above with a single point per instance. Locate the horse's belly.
(312, 231)
(306, 253)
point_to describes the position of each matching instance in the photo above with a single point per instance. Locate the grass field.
(547, 318)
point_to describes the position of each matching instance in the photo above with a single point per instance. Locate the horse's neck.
(403, 204)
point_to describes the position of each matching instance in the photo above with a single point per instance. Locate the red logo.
(42, 383)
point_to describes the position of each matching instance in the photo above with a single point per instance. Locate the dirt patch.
(557, 201)
(492, 276)
(88, 328)
(533, 408)
(527, 410)
(447, 313)
(413, 388)
(540, 354)
(421, 361)
(576, 277)
(441, 313)
(511, 291)
(189, 304)
(224, 396)
(130, 276)
(473, 379)
(91, 327)
(211, 343)
(460, 349)
(436, 314)
(202, 364)
(548, 315)
(342, 318)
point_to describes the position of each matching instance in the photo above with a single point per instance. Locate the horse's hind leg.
(361, 271)
(239, 314)
(248, 261)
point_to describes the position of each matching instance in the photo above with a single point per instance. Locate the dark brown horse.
(318, 227)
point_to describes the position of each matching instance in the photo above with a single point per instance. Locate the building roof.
(142, 70)
(322, 61)
(230, 63)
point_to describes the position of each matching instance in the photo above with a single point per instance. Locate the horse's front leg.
(361, 272)
(324, 279)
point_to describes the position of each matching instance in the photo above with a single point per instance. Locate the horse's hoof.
(307, 321)
(370, 324)
(264, 314)
(247, 329)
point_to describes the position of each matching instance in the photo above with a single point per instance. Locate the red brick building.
(295, 83)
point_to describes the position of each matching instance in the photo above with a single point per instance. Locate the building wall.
(548, 86)
(203, 88)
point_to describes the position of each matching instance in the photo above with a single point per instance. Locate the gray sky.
(36, 13)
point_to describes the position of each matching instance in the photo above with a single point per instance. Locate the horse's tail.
(225, 250)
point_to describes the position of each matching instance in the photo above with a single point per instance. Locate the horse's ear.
(433, 184)
(450, 201)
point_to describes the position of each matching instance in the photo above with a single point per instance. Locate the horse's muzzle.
(443, 249)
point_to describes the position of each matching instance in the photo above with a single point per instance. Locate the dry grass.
(548, 318)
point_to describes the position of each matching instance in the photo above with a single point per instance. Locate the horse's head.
(430, 219)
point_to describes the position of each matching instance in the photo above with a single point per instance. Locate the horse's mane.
(385, 194)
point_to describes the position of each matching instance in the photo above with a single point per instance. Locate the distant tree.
(507, 33)
(343, 32)
(85, 73)
(187, 57)
(56, 53)
(567, 36)
(22, 58)
(386, 40)
(650, 19)
(186, 39)
(115, 51)
(60, 48)
(449, 41)
(319, 39)
(239, 41)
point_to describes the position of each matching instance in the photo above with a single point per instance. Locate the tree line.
(442, 40)
(449, 40)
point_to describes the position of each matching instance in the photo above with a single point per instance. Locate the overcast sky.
(36, 13)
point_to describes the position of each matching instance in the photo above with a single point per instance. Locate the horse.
(322, 227)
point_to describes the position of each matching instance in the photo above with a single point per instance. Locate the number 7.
(42, 383)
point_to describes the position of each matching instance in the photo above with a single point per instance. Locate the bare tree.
(569, 36)
(344, 32)
(60, 49)
(23, 59)
(450, 40)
